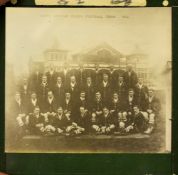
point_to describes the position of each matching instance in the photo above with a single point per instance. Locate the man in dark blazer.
(121, 88)
(115, 105)
(138, 124)
(130, 77)
(130, 102)
(97, 108)
(98, 76)
(36, 122)
(82, 101)
(83, 119)
(153, 108)
(105, 89)
(89, 90)
(73, 88)
(42, 92)
(35, 79)
(59, 91)
(141, 94)
(88, 72)
(18, 107)
(51, 77)
(65, 72)
(51, 104)
(77, 73)
(25, 90)
(32, 103)
(105, 124)
(16, 116)
(67, 103)
(50, 107)
(58, 123)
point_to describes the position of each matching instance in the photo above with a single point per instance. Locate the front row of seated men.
(104, 120)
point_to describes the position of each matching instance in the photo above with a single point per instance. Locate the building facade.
(103, 56)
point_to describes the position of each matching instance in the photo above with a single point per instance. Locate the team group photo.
(102, 86)
(81, 101)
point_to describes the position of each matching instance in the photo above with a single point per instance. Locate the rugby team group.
(73, 101)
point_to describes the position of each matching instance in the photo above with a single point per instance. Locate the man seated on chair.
(138, 124)
(105, 123)
(20, 115)
(36, 122)
(97, 105)
(50, 107)
(115, 105)
(32, 103)
(128, 106)
(153, 108)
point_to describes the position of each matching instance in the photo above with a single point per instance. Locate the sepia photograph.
(88, 80)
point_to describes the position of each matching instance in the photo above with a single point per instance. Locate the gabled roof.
(104, 45)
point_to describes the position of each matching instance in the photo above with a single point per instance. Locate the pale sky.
(30, 31)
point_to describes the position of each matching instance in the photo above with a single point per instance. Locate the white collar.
(50, 100)
(130, 97)
(34, 100)
(150, 98)
(88, 84)
(105, 83)
(44, 84)
(106, 115)
(82, 98)
(51, 72)
(140, 85)
(120, 83)
(59, 116)
(72, 84)
(59, 84)
(115, 99)
(18, 101)
(67, 100)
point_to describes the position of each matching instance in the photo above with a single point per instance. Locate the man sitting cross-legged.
(138, 124)
(105, 123)
(36, 122)
(58, 123)
(83, 121)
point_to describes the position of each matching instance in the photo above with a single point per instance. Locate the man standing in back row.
(130, 77)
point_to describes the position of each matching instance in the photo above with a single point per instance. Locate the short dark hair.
(136, 106)
(106, 107)
(59, 107)
(131, 90)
